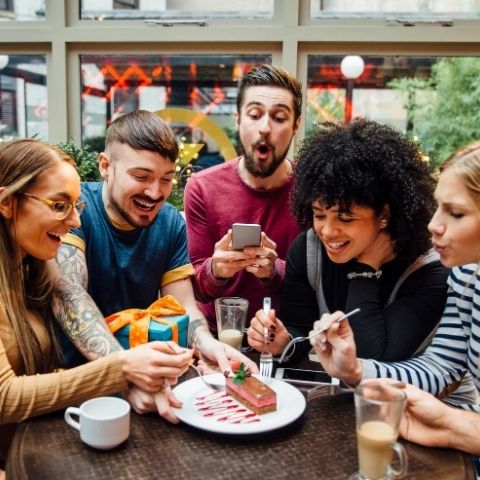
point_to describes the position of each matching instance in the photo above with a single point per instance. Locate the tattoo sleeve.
(75, 310)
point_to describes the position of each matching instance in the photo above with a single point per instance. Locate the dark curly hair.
(367, 164)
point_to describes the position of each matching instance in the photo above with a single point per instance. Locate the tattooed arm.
(75, 310)
(84, 324)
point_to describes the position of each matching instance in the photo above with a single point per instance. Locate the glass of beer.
(231, 314)
(378, 410)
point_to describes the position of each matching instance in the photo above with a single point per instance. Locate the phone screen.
(245, 235)
(311, 376)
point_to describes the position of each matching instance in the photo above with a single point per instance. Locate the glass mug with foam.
(379, 408)
(231, 314)
(103, 422)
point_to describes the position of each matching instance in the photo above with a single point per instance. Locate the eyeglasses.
(61, 208)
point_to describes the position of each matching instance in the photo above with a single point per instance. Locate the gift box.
(164, 320)
(158, 331)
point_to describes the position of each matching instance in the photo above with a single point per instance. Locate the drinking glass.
(231, 313)
(378, 410)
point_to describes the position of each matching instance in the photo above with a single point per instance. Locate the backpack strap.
(314, 269)
(430, 257)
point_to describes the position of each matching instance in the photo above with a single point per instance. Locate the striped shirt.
(455, 348)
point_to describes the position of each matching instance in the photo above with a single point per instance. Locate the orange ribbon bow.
(139, 320)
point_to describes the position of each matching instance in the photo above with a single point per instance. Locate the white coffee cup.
(104, 422)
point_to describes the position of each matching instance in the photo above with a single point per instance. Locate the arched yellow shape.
(207, 125)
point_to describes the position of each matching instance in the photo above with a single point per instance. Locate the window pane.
(455, 9)
(23, 96)
(175, 9)
(432, 99)
(22, 10)
(196, 94)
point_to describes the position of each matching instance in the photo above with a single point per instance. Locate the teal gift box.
(158, 331)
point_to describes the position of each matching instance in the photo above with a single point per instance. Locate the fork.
(214, 386)
(324, 391)
(301, 339)
(266, 357)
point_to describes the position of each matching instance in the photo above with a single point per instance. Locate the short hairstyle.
(371, 165)
(269, 76)
(143, 130)
(465, 162)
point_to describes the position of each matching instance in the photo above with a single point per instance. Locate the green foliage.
(85, 158)
(176, 197)
(240, 375)
(322, 106)
(445, 111)
(232, 134)
(410, 87)
(182, 173)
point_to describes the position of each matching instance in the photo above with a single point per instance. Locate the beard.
(137, 221)
(261, 171)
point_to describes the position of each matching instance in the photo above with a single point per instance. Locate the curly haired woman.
(365, 195)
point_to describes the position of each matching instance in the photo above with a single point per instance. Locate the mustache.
(147, 198)
(263, 142)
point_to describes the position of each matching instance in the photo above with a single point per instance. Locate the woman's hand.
(427, 420)
(336, 348)
(147, 366)
(163, 402)
(215, 353)
(277, 333)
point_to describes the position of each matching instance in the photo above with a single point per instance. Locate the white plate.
(290, 405)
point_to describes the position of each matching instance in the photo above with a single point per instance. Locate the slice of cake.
(250, 391)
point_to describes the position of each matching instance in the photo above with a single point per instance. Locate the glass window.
(196, 94)
(455, 9)
(175, 9)
(22, 10)
(432, 99)
(23, 96)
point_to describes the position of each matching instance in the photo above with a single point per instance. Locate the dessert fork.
(266, 357)
(301, 339)
(214, 386)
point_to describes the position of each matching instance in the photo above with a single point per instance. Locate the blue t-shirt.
(126, 268)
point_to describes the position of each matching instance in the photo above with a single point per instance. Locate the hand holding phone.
(246, 235)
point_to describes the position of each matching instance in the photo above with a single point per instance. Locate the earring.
(383, 223)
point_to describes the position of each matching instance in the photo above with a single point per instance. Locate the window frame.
(289, 37)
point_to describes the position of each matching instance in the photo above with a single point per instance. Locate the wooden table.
(319, 445)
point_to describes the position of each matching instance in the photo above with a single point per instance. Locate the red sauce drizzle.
(223, 408)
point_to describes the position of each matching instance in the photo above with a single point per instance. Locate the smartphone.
(305, 377)
(245, 235)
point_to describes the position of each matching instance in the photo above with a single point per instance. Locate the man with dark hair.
(131, 246)
(253, 188)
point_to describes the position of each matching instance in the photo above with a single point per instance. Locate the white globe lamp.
(352, 66)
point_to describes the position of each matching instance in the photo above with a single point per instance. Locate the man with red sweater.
(252, 188)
